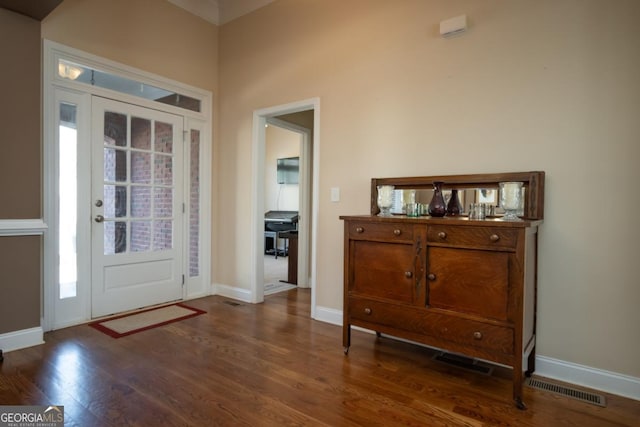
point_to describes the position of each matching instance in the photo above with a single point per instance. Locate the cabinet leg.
(346, 338)
(518, 381)
(531, 363)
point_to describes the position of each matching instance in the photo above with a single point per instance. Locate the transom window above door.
(90, 76)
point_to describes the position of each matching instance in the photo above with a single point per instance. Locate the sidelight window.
(67, 201)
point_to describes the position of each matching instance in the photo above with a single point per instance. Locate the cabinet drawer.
(498, 237)
(437, 326)
(387, 232)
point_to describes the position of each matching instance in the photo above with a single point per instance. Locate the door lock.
(98, 203)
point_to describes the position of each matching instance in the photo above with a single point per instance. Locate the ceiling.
(36, 9)
(217, 12)
(220, 11)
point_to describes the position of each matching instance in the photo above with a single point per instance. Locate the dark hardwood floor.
(270, 365)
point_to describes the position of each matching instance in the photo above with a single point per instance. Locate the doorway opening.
(302, 119)
(282, 204)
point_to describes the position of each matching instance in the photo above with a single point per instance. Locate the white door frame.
(53, 85)
(260, 119)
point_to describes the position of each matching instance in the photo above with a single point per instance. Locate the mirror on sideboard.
(471, 189)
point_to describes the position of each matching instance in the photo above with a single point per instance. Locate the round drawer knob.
(397, 232)
(408, 274)
(494, 237)
(431, 276)
(442, 235)
(367, 310)
(477, 335)
(359, 230)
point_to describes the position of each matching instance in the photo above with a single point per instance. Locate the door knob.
(99, 218)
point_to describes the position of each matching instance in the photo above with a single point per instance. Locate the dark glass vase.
(437, 206)
(454, 208)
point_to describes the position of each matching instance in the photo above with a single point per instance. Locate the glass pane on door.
(138, 188)
(140, 167)
(140, 236)
(140, 201)
(140, 133)
(115, 129)
(162, 235)
(115, 237)
(164, 137)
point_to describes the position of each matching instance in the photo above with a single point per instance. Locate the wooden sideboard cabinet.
(460, 285)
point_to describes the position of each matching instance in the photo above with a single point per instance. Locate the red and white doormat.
(139, 321)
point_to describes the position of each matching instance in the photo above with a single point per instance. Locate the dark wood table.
(292, 236)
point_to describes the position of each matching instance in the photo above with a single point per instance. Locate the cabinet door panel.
(383, 270)
(469, 281)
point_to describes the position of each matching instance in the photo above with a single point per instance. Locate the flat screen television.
(288, 170)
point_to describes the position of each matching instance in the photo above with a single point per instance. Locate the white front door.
(137, 207)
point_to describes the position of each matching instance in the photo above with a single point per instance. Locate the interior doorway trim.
(260, 119)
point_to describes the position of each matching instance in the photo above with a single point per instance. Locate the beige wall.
(549, 85)
(20, 278)
(533, 85)
(20, 175)
(20, 117)
(153, 36)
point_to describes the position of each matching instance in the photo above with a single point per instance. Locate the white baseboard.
(586, 376)
(232, 292)
(21, 339)
(329, 315)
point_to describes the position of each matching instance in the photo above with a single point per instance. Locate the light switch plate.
(335, 194)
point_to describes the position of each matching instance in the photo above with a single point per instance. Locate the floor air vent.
(231, 303)
(463, 362)
(574, 393)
